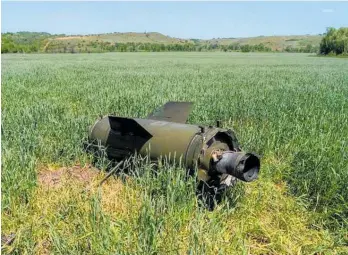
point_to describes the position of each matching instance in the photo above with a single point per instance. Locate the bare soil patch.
(7, 239)
(54, 177)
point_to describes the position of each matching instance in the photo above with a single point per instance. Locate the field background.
(292, 109)
(30, 42)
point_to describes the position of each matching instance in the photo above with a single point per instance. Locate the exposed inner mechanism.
(222, 157)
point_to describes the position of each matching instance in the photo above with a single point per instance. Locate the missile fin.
(127, 133)
(172, 112)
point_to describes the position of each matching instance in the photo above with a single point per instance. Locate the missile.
(212, 151)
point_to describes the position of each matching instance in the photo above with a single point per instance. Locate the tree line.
(100, 46)
(8, 46)
(23, 42)
(335, 42)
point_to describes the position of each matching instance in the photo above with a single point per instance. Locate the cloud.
(327, 10)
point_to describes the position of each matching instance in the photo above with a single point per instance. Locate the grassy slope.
(150, 37)
(289, 108)
(85, 41)
(274, 42)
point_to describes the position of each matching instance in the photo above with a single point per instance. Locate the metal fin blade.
(128, 126)
(172, 112)
(126, 134)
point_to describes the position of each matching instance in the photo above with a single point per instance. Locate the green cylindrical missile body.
(173, 140)
(192, 145)
(124, 136)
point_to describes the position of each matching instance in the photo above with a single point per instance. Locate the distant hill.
(150, 37)
(152, 41)
(279, 43)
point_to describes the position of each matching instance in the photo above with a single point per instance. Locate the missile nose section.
(244, 166)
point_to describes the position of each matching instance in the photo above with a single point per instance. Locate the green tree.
(335, 41)
(245, 48)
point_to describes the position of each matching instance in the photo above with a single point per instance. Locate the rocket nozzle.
(242, 165)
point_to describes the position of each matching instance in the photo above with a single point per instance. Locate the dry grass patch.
(63, 206)
(267, 221)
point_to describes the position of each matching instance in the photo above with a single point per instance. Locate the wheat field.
(292, 109)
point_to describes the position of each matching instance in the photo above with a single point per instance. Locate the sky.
(203, 20)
